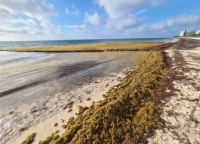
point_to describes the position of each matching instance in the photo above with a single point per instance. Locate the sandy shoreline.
(182, 111)
(27, 112)
(46, 127)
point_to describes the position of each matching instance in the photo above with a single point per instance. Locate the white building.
(197, 32)
(182, 33)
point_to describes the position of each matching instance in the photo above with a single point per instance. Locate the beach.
(56, 82)
(65, 88)
(181, 111)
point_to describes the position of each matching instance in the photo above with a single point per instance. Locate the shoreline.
(47, 127)
(165, 136)
(135, 95)
(83, 74)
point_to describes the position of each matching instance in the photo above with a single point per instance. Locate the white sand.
(93, 91)
(197, 38)
(182, 111)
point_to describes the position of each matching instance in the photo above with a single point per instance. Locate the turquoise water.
(16, 44)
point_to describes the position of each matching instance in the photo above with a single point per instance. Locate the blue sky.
(96, 19)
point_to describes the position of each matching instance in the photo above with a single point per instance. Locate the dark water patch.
(74, 68)
(13, 90)
(63, 71)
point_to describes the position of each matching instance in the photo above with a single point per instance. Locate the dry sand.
(94, 91)
(197, 38)
(182, 111)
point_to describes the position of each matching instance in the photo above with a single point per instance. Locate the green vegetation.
(197, 35)
(29, 139)
(127, 112)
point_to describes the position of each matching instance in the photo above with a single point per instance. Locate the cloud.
(141, 11)
(74, 11)
(6, 13)
(159, 26)
(34, 8)
(170, 25)
(27, 19)
(95, 19)
(119, 8)
(184, 21)
(120, 12)
(85, 29)
(124, 23)
(16, 31)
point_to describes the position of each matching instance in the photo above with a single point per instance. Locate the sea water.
(24, 44)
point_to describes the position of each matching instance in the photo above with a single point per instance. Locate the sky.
(96, 19)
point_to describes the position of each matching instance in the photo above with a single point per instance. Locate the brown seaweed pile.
(29, 139)
(127, 112)
(92, 47)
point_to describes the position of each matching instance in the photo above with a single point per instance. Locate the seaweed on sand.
(29, 139)
(127, 112)
(81, 109)
(50, 138)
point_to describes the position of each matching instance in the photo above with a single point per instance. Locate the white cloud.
(74, 11)
(171, 25)
(95, 19)
(141, 11)
(184, 21)
(9, 29)
(34, 8)
(27, 19)
(120, 12)
(119, 8)
(6, 13)
(124, 23)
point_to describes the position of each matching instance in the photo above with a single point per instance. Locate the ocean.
(24, 44)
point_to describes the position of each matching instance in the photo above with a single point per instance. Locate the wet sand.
(93, 91)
